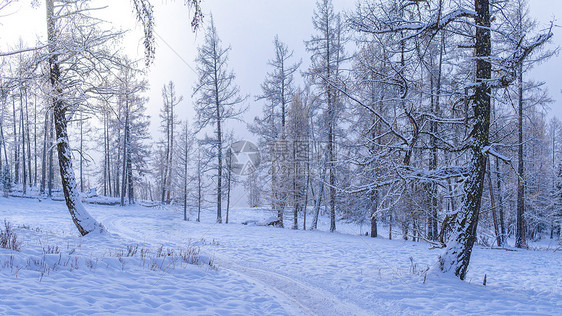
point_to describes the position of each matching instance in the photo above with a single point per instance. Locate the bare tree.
(327, 49)
(277, 90)
(217, 97)
(168, 123)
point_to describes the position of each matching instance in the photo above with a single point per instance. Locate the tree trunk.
(28, 134)
(306, 193)
(125, 150)
(185, 180)
(228, 179)
(51, 158)
(34, 141)
(318, 200)
(105, 165)
(457, 255)
(3, 140)
(23, 158)
(219, 170)
(16, 145)
(520, 241)
(44, 153)
(81, 155)
(331, 151)
(167, 155)
(199, 185)
(374, 207)
(171, 151)
(390, 225)
(435, 102)
(83, 221)
(493, 206)
(108, 155)
(130, 184)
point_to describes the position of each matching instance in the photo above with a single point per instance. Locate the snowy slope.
(261, 270)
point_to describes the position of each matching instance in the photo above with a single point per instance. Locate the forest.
(413, 115)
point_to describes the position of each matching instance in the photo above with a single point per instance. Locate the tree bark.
(34, 141)
(520, 241)
(44, 153)
(125, 149)
(199, 185)
(457, 255)
(81, 152)
(185, 176)
(493, 206)
(228, 179)
(374, 206)
(51, 153)
(28, 134)
(23, 158)
(16, 145)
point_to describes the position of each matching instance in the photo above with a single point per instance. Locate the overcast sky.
(248, 26)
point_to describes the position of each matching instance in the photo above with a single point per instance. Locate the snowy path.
(304, 297)
(309, 299)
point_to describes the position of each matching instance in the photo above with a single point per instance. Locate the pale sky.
(249, 27)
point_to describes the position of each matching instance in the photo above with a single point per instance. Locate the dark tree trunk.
(520, 240)
(228, 183)
(105, 164)
(374, 207)
(171, 150)
(305, 209)
(28, 134)
(80, 216)
(16, 145)
(44, 153)
(493, 206)
(457, 255)
(34, 142)
(199, 185)
(108, 155)
(185, 176)
(126, 153)
(219, 166)
(318, 199)
(51, 153)
(81, 153)
(130, 184)
(23, 158)
(435, 108)
(332, 175)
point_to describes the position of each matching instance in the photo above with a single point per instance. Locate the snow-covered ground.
(249, 270)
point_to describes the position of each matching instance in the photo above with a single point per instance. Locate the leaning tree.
(75, 39)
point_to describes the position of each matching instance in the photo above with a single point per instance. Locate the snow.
(254, 270)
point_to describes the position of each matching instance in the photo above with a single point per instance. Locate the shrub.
(8, 238)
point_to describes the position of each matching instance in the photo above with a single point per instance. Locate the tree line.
(416, 115)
